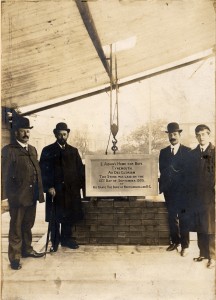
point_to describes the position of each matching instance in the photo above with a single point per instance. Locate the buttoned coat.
(17, 175)
(201, 189)
(64, 171)
(172, 175)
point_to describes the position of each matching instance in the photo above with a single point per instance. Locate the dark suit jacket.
(18, 175)
(172, 173)
(63, 170)
(201, 188)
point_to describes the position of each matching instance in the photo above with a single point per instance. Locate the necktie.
(172, 151)
(25, 147)
(202, 151)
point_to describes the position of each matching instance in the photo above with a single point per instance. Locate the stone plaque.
(121, 175)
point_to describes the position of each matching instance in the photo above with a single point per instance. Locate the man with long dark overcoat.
(22, 186)
(201, 192)
(63, 177)
(172, 184)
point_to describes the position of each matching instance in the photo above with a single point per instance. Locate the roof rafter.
(92, 31)
(122, 84)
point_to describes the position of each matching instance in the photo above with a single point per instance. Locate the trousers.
(206, 244)
(61, 234)
(178, 219)
(20, 234)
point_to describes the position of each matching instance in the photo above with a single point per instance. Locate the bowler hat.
(61, 126)
(202, 127)
(21, 122)
(173, 127)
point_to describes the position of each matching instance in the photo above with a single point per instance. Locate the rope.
(113, 127)
(111, 84)
(106, 152)
(108, 143)
(117, 89)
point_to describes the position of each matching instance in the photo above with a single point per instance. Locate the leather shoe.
(70, 244)
(15, 265)
(172, 247)
(34, 254)
(184, 252)
(53, 249)
(210, 263)
(200, 258)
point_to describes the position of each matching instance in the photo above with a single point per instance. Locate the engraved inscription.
(120, 175)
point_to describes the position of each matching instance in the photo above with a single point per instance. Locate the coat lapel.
(20, 148)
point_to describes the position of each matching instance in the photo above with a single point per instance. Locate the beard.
(61, 141)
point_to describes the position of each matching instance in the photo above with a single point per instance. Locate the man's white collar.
(175, 147)
(61, 146)
(22, 144)
(204, 147)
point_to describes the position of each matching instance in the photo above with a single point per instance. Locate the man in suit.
(201, 189)
(172, 185)
(63, 177)
(22, 186)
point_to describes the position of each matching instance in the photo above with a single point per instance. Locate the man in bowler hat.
(201, 192)
(172, 184)
(22, 186)
(63, 177)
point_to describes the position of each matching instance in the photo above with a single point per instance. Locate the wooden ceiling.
(48, 53)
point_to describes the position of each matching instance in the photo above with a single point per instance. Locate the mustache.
(172, 140)
(25, 136)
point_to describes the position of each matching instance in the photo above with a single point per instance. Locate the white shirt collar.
(61, 145)
(175, 147)
(204, 147)
(22, 144)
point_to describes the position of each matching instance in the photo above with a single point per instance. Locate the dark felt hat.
(61, 126)
(173, 127)
(21, 122)
(202, 127)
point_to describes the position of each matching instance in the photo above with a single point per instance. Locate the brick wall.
(127, 222)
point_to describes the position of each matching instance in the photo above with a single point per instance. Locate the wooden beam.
(165, 70)
(107, 89)
(92, 31)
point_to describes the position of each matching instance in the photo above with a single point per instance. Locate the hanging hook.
(114, 130)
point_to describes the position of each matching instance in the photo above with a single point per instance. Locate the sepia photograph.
(108, 149)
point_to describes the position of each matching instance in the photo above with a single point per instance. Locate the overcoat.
(64, 171)
(18, 182)
(172, 176)
(201, 189)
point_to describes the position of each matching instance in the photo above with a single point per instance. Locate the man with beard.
(201, 189)
(22, 186)
(63, 177)
(172, 184)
